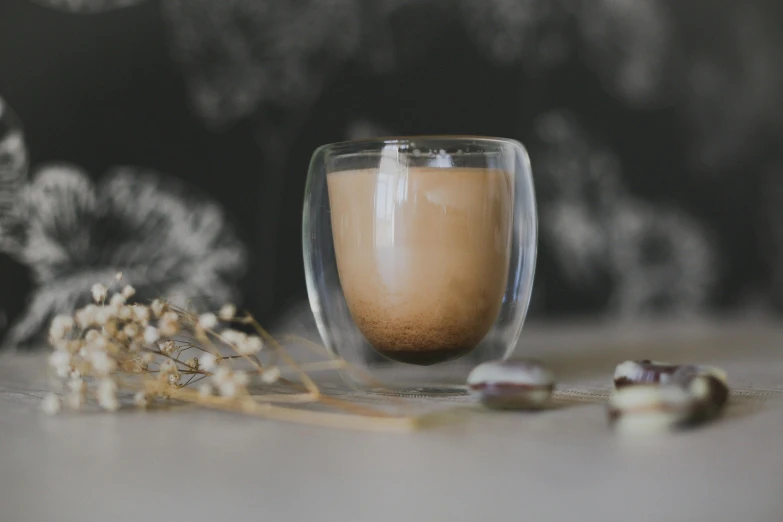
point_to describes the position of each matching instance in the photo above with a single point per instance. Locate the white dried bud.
(107, 395)
(141, 399)
(147, 357)
(228, 388)
(141, 313)
(104, 315)
(207, 321)
(192, 363)
(168, 366)
(61, 325)
(78, 389)
(131, 330)
(118, 276)
(174, 378)
(60, 361)
(241, 378)
(98, 293)
(270, 375)
(74, 400)
(222, 374)
(250, 345)
(77, 385)
(91, 336)
(110, 327)
(73, 346)
(168, 324)
(63, 322)
(233, 337)
(227, 312)
(117, 301)
(59, 344)
(205, 389)
(98, 342)
(128, 292)
(158, 307)
(87, 316)
(208, 361)
(125, 313)
(167, 347)
(102, 363)
(51, 404)
(151, 334)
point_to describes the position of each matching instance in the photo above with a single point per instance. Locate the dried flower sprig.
(158, 352)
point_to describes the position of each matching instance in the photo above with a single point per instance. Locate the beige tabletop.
(562, 464)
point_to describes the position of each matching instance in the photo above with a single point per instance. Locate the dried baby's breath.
(271, 375)
(227, 312)
(112, 352)
(51, 404)
(141, 399)
(207, 321)
(98, 293)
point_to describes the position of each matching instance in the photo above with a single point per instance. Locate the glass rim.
(381, 141)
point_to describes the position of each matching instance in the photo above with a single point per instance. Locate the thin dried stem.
(362, 374)
(314, 418)
(252, 360)
(161, 354)
(306, 380)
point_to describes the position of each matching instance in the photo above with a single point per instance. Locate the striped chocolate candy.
(520, 384)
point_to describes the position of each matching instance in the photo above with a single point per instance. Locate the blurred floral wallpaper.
(169, 139)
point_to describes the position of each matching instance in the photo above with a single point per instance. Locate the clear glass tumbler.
(419, 255)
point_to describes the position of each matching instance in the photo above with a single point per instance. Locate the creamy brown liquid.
(422, 255)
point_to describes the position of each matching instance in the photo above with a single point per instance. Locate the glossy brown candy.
(512, 385)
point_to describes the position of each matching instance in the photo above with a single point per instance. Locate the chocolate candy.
(650, 408)
(512, 385)
(653, 396)
(643, 372)
(707, 385)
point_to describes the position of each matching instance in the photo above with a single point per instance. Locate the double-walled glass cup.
(419, 255)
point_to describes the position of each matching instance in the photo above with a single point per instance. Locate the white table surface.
(563, 464)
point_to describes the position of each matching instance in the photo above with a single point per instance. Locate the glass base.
(420, 391)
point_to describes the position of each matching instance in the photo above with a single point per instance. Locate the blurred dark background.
(654, 129)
